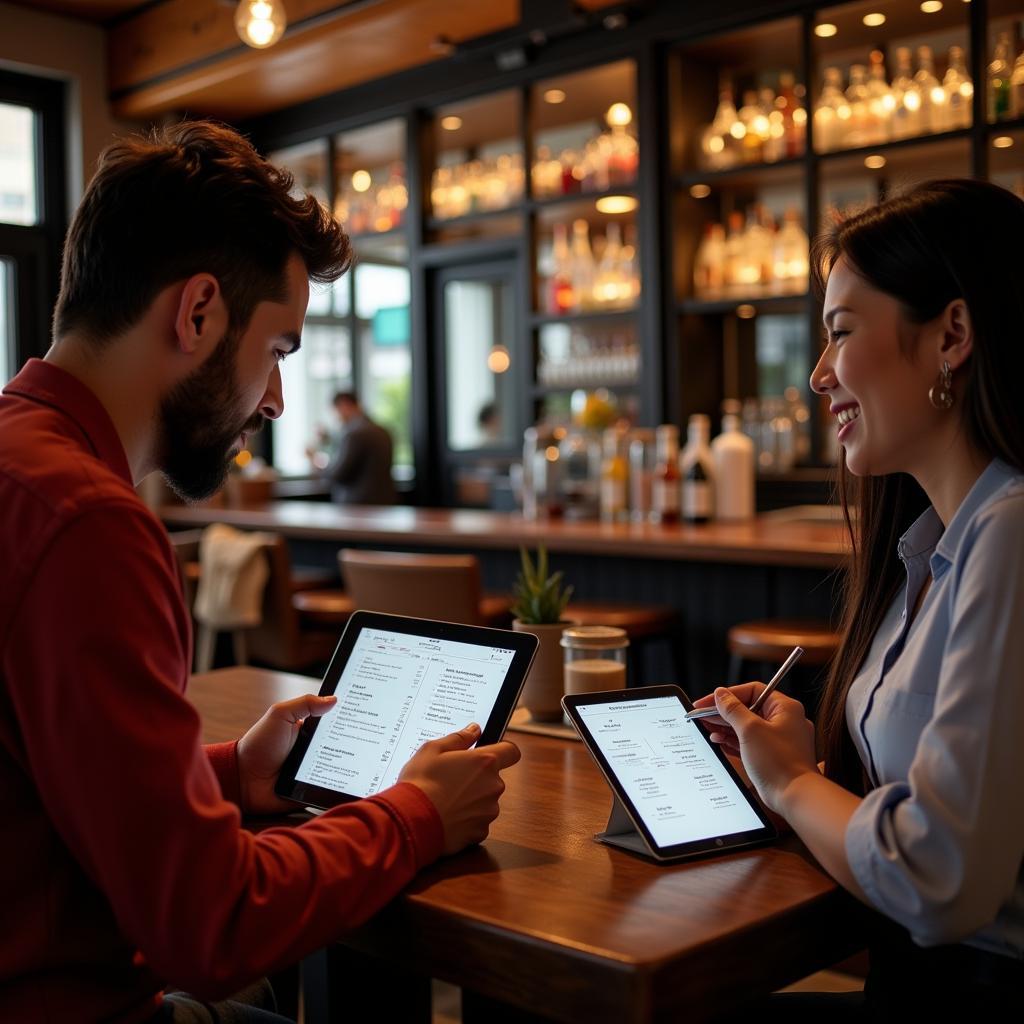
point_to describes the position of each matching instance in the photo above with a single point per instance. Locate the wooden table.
(544, 919)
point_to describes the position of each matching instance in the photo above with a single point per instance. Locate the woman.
(918, 809)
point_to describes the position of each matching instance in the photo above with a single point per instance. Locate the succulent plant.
(540, 598)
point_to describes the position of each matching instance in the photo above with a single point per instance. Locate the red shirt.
(123, 863)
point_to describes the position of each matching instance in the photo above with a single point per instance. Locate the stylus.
(794, 657)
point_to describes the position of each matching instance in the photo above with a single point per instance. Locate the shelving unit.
(691, 350)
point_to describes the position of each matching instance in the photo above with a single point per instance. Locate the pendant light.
(260, 23)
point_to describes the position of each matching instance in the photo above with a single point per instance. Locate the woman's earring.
(941, 394)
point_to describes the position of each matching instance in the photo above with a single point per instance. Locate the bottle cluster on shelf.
(477, 186)
(1005, 81)
(372, 200)
(586, 358)
(607, 160)
(579, 277)
(754, 257)
(771, 125)
(871, 109)
(639, 475)
(779, 428)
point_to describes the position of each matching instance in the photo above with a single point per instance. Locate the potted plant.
(540, 601)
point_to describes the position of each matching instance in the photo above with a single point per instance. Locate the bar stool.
(644, 624)
(771, 640)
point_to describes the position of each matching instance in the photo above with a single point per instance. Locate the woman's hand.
(776, 746)
(262, 750)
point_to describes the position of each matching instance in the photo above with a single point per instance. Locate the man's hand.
(262, 750)
(464, 785)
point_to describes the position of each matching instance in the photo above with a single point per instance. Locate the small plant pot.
(544, 687)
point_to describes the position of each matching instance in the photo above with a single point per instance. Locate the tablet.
(677, 788)
(401, 682)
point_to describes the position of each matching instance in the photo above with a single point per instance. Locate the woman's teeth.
(845, 415)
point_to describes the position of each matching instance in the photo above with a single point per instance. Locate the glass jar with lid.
(595, 658)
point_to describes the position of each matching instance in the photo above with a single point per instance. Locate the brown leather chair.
(443, 587)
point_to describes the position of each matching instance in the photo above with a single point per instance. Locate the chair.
(425, 586)
(770, 640)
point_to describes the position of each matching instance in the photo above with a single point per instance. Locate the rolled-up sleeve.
(941, 852)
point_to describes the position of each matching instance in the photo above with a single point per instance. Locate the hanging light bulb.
(260, 23)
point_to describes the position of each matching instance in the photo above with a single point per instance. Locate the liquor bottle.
(906, 115)
(934, 115)
(642, 465)
(582, 267)
(880, 98)
(629, 272)
(755, 254)
(794, 124)
(959, 90)
(999, 73)
(608, 280)
(561, 298)
(734, 255)
(828, 125)
(614, 477)
(733, 455)
(718, 144)
(860, 128)
(709, 263)
(790, 255)
(774, 143)
(665, 495)
(752, 139)
(1017, 87)
(697, 469)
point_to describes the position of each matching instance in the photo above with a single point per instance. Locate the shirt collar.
(922, 535)
(49, 385)
(995, 477)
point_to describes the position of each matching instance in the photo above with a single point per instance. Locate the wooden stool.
(643, 623)
(771, 640)
(333, 608)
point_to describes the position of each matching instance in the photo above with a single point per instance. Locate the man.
(125, 868)
(360, 471)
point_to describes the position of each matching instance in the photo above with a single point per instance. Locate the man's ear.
(957, 340)
(201, 318)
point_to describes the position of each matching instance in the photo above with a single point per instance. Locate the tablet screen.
(668, 770)
(396, 691)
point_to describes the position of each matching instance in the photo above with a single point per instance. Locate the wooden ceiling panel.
(369, 42)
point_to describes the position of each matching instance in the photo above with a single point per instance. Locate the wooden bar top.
(542, 917)
(766, 540)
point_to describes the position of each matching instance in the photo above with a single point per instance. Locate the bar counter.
(715, 575)
(767, 540)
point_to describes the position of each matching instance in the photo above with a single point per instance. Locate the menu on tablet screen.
(675, 781)
(397, 692)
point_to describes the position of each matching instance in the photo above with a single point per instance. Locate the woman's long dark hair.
(939, 241)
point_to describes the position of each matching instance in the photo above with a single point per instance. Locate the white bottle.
(697, 468)
(733, 454)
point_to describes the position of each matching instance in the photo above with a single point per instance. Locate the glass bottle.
(999, 73)
(828, 128)
(582, 266)
(788, 104)
(642, 464)
(749, 116)
(623, 157)
(860, 130)
(718, 145)
(755, 254)
(790, 255)
(906, 115)
(607, 280)
(697, 469)
(733, 454)
(614, 477)
(934, 116)
(959, 90)
(734, 254)
(560, 292)
(665, 494)
(1017, 87)
(709, 263)
(880, 98)
(629, 271)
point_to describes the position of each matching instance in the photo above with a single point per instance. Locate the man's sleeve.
(96, 675)
(348, 459)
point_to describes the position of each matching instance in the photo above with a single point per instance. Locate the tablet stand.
(621, 832)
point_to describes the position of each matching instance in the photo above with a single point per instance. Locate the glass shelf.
(746, 307)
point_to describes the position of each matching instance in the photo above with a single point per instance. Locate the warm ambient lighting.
(451, 123)
(554, 96)
(931, 6)
(700, 191)
(874, 163)
(1002, 142)
(619, 115)
(825, 30)
(615, 204)
(498, 359)
(260, 23)
(874, 20)
(746, 311)
(361, 181)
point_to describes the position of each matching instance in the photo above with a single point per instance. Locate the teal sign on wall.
(391, 326)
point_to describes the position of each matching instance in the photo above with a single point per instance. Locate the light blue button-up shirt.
(937, 715)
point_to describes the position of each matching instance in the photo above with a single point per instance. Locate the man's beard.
(198, 422)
